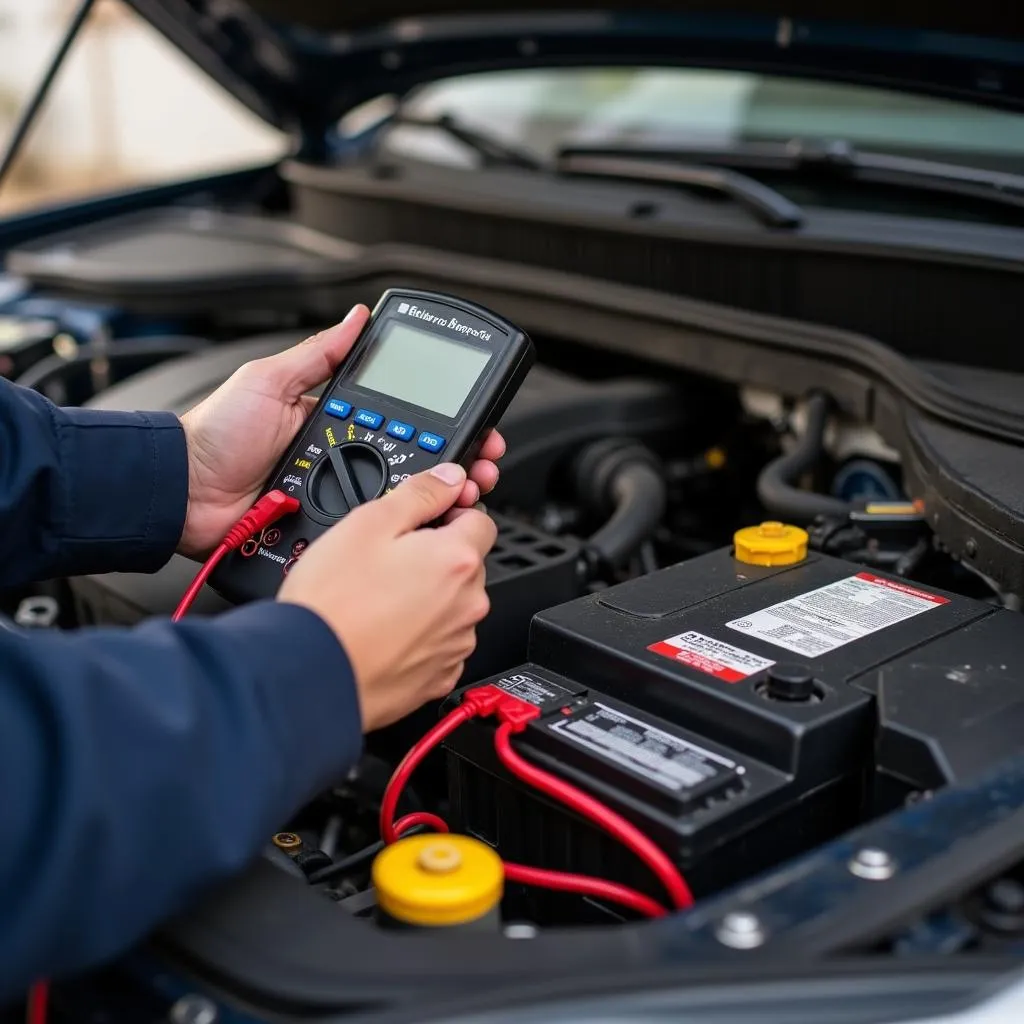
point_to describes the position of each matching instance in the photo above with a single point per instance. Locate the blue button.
(336, 407)
(431, 442)
(369, 419)
(403, 431)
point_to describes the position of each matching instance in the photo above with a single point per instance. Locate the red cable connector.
(271, 507)
(515, 715)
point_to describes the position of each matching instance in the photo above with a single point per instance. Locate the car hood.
(300, 64)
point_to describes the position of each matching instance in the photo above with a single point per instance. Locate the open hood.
(300, 64)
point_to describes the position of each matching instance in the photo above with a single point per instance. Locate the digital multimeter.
(425, 381)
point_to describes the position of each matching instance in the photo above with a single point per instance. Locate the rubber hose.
(41, 373)
(775, 485)
(628, 480)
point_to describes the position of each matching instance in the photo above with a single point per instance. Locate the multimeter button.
(336, 407)
(403, 431)
(369, 419)
(431, 442)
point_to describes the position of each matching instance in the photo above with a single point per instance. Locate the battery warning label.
(822, 620)
(644, 749)
(706, 654)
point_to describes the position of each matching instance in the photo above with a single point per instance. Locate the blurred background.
(126, 109)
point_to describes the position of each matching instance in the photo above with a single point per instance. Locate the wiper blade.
(765, 203)
(912, 172)
(824, 156)
(493, 151)
(768, 205)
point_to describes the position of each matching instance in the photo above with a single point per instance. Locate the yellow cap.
(715, 458)
(771, 544)
(438, 880)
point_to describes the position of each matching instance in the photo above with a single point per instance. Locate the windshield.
(543, 109)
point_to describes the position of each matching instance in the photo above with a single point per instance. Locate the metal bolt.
(873, 864)
(288, 841)
(740, 930)
(193, 1010)
(972, 548)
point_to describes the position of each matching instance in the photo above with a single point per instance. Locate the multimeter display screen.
(414, 366)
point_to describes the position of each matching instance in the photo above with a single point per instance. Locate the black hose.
(353, 862)
(159, 348)
(623, 480)
(775, 485)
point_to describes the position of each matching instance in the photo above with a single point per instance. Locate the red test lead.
(271, 507)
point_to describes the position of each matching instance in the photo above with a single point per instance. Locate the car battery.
(729, 709)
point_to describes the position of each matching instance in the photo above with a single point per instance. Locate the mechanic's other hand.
(236, 436)
(403, 601)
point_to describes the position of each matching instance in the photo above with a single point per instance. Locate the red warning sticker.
(901, 588)
(706, 654)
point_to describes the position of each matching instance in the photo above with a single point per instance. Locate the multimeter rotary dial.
(346, 476)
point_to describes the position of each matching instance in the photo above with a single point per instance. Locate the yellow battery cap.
(771, 544)
(438, 880)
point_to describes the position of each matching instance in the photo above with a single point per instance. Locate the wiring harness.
(513, 716)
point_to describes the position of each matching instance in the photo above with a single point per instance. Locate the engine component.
(864, 480)
(887, 535)
(775, 485)
(737, 714)
(622, 481)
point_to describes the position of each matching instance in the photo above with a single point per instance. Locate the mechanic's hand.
(404, 602)
(236, 436)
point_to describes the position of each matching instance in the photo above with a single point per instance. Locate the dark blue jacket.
(137, 767)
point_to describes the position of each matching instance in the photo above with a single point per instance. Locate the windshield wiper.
(493, 151)
(770, 207)
(822, 156)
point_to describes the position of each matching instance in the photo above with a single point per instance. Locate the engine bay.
(752, 613)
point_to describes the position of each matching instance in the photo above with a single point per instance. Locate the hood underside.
(331, 16)
(300, 64)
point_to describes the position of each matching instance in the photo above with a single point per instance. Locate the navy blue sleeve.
(141, 766)
(82, 490)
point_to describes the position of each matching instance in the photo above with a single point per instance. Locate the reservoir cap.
(771, 544)
(438, 880)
